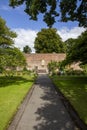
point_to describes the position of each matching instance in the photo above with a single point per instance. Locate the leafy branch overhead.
(64, 10)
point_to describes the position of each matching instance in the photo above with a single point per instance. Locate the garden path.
(44, 110)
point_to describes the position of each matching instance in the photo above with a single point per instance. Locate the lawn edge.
(73, 113)
(20, 110)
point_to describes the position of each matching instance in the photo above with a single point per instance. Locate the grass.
(75, 89)
(12, 92)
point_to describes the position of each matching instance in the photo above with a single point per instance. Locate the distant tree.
(74, 10)
(27, 49)
(48, 41)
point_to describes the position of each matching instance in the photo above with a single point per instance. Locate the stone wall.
(40, 61)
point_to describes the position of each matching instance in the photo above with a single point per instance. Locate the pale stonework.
(39, 61)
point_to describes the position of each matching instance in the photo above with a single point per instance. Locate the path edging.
(73, 113)
(13, 124)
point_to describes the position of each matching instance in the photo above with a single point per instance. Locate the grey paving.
(44, 110)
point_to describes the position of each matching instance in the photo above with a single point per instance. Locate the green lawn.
(12, 92)
(75, 89)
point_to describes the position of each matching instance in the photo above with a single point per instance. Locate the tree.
(48, 41)
(27, 49)
(10, 57)
(6, 35)
(78, 52)
(6, 40)
(52, 67)
(74, 10)
(69, 44)
(16, 58)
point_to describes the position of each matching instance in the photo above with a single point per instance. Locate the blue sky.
(26, 29)
(17, 18)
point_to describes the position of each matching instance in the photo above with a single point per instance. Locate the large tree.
(78, 52)
(69, 43)
(48, 41)
(6, 35)
(9, 55)
(74, 10)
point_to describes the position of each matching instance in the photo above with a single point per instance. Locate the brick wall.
(40, 61)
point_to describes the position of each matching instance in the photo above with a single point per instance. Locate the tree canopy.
(27, 49)
(6, 35)
(69, 43)
(64, 10)
(48, 41)
(78, 52)
(10, 56)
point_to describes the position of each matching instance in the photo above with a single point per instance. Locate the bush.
(74, 72)
(1, 69)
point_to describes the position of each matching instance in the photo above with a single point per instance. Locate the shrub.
(74, 72)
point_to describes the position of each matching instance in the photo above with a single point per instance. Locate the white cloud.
(25, 37)
(65, 33)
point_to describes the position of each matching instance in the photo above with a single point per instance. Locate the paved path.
(44, 110)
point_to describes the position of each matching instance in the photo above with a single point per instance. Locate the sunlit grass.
(12, 92)
(75, 89)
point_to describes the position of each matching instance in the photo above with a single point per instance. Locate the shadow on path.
(51, 115)
(44, 110)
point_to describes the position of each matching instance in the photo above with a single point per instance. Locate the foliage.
(6, 35)
(69, 44)
(74, 72)
(52, 66)
(55, 68)
(26, 71)
(64, 10)
(78, 50)
(75, 90)
(10, 56)
(27, 49)
(48, 41)
(12, 92)
(84, 67)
